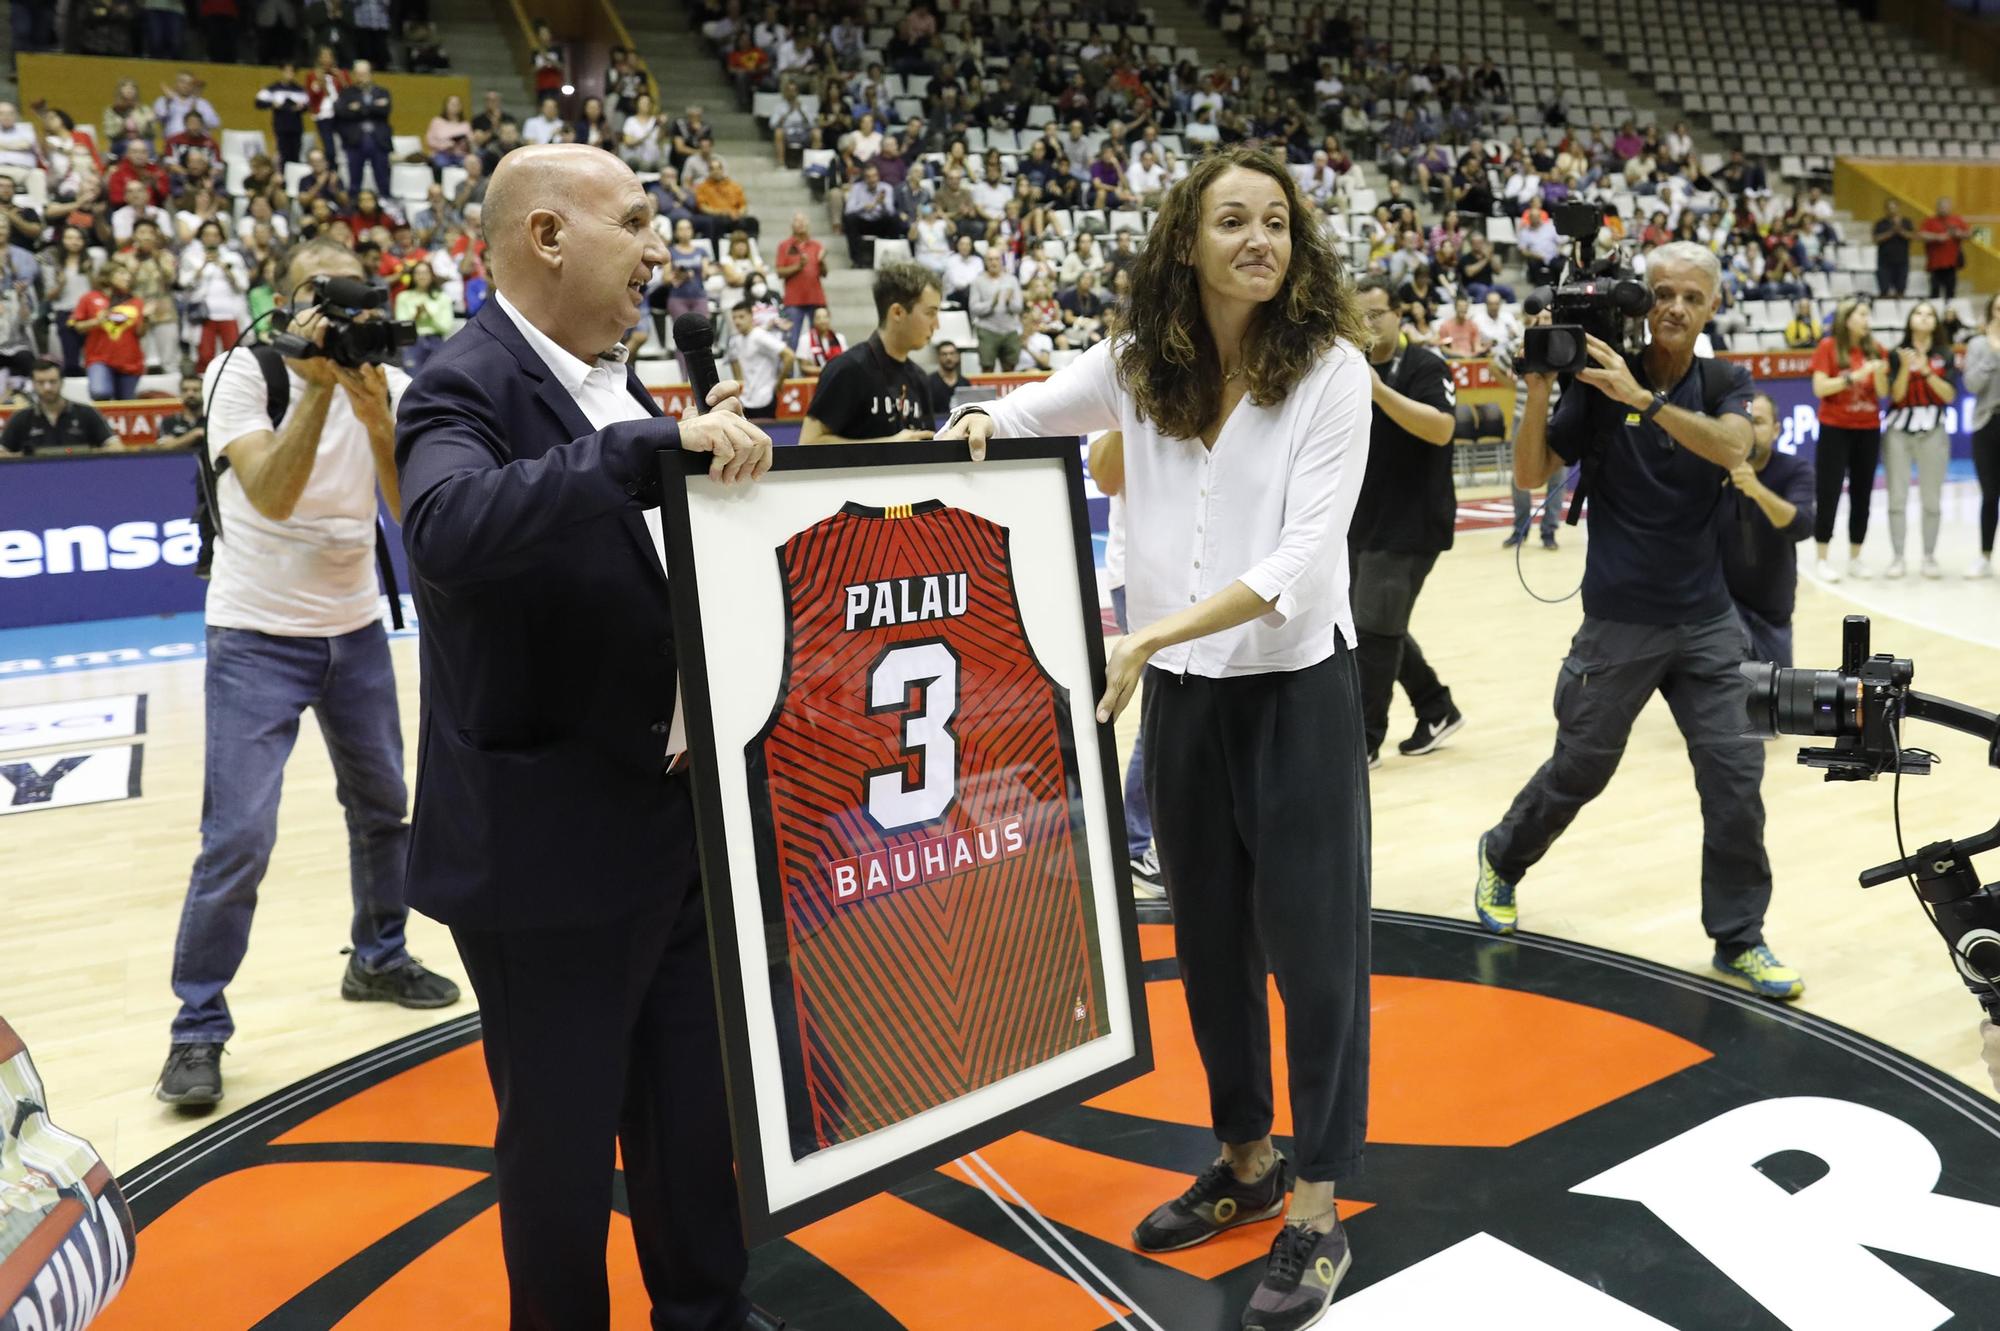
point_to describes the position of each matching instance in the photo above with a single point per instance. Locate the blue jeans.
(802, 319)
(109, 385)
(257, 686)
(1138, 815)
(420, 351)
(1552, 512)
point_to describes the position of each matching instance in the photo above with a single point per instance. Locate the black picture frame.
(762, 1222)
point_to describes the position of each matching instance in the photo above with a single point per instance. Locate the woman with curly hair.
(1237, 380)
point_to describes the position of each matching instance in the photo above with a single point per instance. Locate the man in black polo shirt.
(1657, 433)
(1402, 522)
(874, 392)
(1768, 511)
(53, 422)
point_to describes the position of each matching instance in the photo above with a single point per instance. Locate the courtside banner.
(909, 817)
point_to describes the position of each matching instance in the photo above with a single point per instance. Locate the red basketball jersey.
(920, 831)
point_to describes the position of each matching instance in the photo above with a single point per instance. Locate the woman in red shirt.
(111, 318)
(1920, 389)
(1850, 373)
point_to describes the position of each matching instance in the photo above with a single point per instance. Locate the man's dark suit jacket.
(547, 644)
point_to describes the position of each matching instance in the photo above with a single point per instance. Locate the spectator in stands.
(1892, 233)
(194, 136)
(640, 143)
(1541, 245)
(18, 147)
(1086, 256)
(502, 143)
(1459, 338)
(931, 238)
(991, 196)
(1107, 180)
(127, 118)
(819, 345)
(1944, 234)
(184, 429)
(372, 24)
(325, 81)
(321, 182)
(1920, 388)
(1802, 332)
(685, 136)
(277, 26)
(791, 127)
(364, 109)
(740, 266)
(723, 202)
(541, 127)
(995, 304)
(213, 279)
(874, 392)
(286, 99)
(684, 288)
(868, 211)
(1084, 307)
(369, 213)
(801, 264)
(448, 138)
(25, 225)
(593, 127)
(65, 278)
(151, 264)
(110, 320)
(964, 267)
(165, 22)
(424, 303)
(51, 421)
(179, 99)
(20, 274)
(1850, 373)
(195, 208)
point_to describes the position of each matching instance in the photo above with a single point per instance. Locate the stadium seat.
(240, 145)
(409, 182)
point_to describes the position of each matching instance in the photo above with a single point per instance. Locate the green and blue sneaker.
(1760, 968)
(1493, 897)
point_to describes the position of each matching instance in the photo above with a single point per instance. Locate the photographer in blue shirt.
(1658, 433)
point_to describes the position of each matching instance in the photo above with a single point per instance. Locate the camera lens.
(1785, 701)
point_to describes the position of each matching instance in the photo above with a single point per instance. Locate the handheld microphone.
(694, 338)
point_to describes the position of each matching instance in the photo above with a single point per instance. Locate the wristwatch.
(1652, 409)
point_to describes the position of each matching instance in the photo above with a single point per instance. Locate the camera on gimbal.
(1862, 706)
(351, 339)
(1595, 298)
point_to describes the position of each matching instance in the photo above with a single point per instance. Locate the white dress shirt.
(600, 394)
(1268, 506)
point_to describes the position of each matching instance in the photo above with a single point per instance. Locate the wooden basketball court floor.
(92, 894)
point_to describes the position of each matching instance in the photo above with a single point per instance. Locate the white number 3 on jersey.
(930, 667)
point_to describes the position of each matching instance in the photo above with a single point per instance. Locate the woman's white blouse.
(1268, 506)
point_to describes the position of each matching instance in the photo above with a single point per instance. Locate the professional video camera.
(1863, 706)
(1595, 297)
(350, 340)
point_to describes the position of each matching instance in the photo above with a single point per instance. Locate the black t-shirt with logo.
(864, 393)
(1408, 502)
(76, 426)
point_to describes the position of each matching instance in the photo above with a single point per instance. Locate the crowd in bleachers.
(945, 135)
(143, 239)
(386, 33)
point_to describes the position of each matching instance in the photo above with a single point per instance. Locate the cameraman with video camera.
(1658, 433)
(293, 622)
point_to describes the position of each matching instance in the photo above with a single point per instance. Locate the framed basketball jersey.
(919, 823)
(911, 839)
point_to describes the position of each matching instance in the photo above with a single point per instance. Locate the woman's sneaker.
(1300, 1276)
(1216, 1201)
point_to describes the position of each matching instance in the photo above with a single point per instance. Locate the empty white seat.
(242, 144)
(891, 251)
(409, 181)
